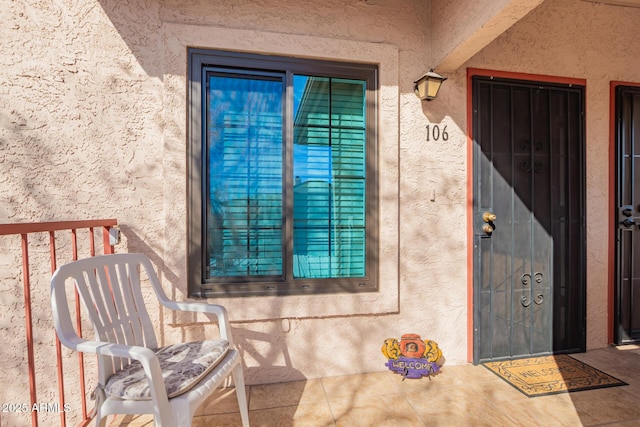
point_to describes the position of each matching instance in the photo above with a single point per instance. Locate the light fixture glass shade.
(427, 86)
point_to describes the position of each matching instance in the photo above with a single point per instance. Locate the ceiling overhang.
(461, 28)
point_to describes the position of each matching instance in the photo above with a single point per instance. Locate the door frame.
(613, 221)
(471, 72)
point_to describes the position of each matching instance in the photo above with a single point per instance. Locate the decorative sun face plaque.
(412, 357)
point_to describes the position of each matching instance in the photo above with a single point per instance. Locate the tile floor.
(458, 396)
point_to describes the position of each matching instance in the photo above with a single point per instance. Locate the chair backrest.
(109, 288)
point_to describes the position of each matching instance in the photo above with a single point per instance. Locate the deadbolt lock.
(488, 217)
(626, 216)
(487, 228)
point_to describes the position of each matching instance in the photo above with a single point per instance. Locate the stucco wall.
(92, 125)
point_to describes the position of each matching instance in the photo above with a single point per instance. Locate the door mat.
(544, 375)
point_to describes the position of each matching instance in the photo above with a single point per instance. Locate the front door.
(627, 311)
(528, 201)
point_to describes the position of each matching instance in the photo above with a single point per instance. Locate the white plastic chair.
(131, 368)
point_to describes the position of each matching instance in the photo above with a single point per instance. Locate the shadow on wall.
(423, 272)
(38, 175)
(263, 342)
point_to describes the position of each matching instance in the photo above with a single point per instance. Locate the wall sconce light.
(427, 86)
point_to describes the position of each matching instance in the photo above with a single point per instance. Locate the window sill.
(306, 306)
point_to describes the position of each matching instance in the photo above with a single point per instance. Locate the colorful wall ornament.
(412, 357)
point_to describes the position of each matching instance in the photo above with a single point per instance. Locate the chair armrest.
(201, 307)
(102, 348)
(144, 355)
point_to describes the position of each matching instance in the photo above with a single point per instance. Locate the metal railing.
(25, 231)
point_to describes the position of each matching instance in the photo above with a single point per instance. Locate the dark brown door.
(529, 286)
(627, 230)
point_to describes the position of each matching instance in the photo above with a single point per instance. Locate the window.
(282, 190)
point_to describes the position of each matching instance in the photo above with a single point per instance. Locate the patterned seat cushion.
(183, 365)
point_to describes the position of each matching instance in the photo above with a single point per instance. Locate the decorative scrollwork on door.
(526, 279)
(525, 165)
(539, 145)
(537, 166)
(530, 165)
(526, 301)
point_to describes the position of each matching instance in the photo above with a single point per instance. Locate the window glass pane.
(329, 177)
(244, 161)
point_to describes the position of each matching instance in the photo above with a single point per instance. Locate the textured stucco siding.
(93, 125)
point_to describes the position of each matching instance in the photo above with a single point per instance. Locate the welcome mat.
(544, 375)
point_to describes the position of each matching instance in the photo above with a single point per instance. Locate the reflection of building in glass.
(245, 236)
(246, 174)
(329, 190)
(313, 236)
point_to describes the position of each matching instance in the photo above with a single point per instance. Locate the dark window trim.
(198, 59)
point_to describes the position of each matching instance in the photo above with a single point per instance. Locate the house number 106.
(434, 132)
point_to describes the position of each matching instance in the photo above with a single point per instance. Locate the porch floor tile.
(459, 395)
